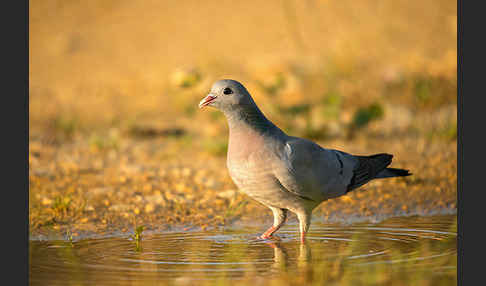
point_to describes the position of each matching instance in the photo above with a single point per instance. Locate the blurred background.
(106, 70)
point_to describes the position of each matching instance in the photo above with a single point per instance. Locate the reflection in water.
(304, 255)
(281, 259)
(280, 256)
(413, 250)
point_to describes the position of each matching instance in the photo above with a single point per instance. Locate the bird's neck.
(249, 118)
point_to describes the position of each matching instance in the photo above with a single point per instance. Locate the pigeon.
(283, 172)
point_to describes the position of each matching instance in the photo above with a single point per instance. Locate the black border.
(24, 100)
(15, 141)
(471, 121)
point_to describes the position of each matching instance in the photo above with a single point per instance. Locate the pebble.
(120, 208)
(228, 194)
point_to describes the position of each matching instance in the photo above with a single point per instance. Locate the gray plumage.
(282, 172)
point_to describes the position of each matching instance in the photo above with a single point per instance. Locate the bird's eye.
(227, 91)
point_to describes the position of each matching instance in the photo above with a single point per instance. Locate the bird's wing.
(368, 168)
(313, 172)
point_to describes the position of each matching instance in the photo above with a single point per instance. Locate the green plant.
(422, 89)
(107, 142)
(447, 132)
(313, 133)
(69, 236)
(61, 204)
(363, 116)
(137, 235)
(232, 210)
(304, 110)
(450, 131)
(294, 110)
(332, 105)
(66, 126)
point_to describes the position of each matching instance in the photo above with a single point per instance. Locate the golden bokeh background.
(101, 64)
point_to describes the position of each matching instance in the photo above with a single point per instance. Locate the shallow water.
(418, 250)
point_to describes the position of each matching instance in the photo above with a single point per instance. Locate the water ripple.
(404, 245)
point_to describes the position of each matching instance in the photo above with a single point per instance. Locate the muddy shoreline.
(77, 191)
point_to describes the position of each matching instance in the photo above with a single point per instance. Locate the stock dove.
(282, 172)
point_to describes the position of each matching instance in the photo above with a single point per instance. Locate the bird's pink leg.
(269, 232)
(304, 223)
(279, 217)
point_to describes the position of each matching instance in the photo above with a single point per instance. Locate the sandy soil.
(82, 190)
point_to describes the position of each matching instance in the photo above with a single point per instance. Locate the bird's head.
(227, 95)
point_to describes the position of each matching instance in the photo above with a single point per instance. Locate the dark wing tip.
(400, 172)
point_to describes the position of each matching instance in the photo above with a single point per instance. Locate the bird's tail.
(374, 167)
(392, 172)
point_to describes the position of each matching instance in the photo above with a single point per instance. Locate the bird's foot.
(263, 236)
(269, 233)
(268, 238)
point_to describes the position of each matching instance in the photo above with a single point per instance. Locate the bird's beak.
(207, 100)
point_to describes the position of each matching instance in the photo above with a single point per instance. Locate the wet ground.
(82, 191)
(398, 251)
